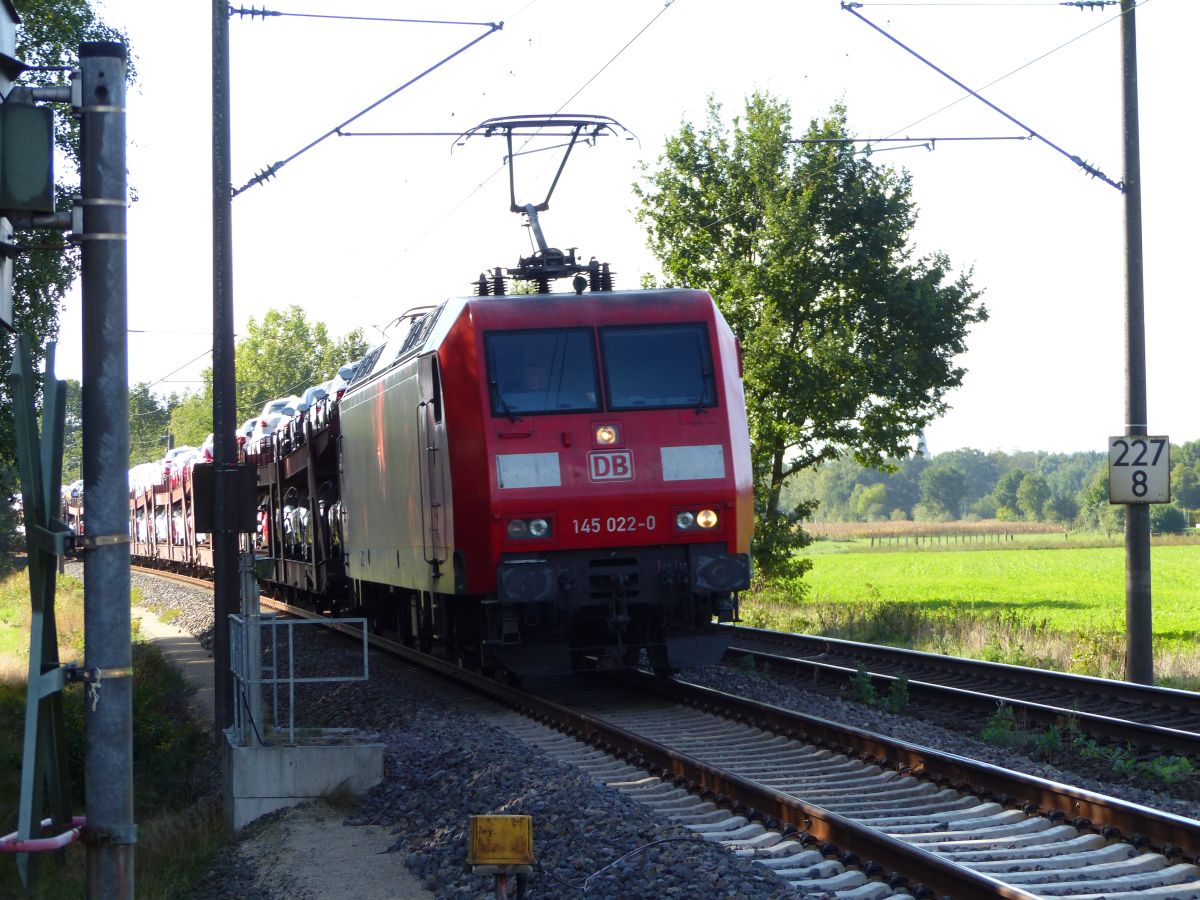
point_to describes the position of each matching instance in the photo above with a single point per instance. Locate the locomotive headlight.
(706, 518)
(684, 520)
(528, 529)
(606, 434)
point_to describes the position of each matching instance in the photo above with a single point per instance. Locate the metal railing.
(256, 664)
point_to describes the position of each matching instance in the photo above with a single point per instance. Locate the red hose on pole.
(11, 844)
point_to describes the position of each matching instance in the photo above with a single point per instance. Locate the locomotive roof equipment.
(546, 263)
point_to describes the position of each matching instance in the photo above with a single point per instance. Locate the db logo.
(610, 465)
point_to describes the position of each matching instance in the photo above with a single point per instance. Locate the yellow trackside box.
(501, 841)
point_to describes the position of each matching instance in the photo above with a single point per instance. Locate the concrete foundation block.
(260, 780)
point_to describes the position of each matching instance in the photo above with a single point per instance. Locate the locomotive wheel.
(425, 637)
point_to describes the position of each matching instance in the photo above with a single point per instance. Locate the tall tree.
(1005, 493)
(49, 35)
(849, 339)
(192, 417)
(284, 354)
(1032, 496)
(72, 432)
(1185, 475)
(977, 467)
(870, 502)
(149, 419)
(281, 356)
(943, 488)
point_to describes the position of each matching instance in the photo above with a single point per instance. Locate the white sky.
(359, 229)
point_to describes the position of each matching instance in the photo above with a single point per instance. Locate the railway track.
(1152, 718)
(835, 809)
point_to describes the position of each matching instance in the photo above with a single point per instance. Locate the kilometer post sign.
(1139, 469)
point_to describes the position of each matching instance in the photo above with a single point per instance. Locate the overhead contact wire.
(270, 171)
(1019, 68)
(181, 368)
(1079, 4)
(666, 5)
(264, 13)
(600, 71)
(850, 7)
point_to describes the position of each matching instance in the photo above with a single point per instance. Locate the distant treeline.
(1066, 488)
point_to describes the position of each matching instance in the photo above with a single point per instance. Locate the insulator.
(606, 279)
(481, 286)
(593, 270)
(498, 286)
(543, 284)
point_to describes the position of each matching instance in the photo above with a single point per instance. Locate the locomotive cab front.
(619, 487)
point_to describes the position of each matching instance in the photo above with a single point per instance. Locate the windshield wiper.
(705, 378)
(500, 397)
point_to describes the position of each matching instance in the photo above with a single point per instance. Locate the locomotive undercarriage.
(578, 610)
(571, 611)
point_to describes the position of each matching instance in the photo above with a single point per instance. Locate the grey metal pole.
(1139, 629)
(108, 709)
(225, 551)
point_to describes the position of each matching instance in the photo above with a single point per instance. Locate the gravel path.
(446, 761)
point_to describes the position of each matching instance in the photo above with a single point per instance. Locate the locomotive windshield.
(657, 366)
(549, 370)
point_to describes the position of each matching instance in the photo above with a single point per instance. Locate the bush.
(1002, 731)
(167, 746)
(984, 508)
(1168, 519)
(1007, 514)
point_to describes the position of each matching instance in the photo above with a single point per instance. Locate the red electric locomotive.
(561, 482)
(535, 483)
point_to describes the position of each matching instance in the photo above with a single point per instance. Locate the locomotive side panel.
(469, 511)
(739, 435)
(386, 492)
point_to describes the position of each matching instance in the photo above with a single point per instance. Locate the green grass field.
(1069, 588)
(1059, 606)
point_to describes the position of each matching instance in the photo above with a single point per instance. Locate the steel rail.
(759, 801)
(1170, 834)
(1138, 733)
(1123, 691)
(994, 677)
(1174, 836)
(173, 576)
